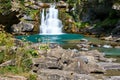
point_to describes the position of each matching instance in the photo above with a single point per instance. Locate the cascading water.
(50, 24)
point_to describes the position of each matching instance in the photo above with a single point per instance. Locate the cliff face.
(102, 14)
(94, 9)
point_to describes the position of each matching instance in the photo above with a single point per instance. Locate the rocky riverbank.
(56, 63)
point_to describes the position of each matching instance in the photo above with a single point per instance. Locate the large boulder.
(22, 27)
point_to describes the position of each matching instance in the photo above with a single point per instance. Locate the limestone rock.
(13, 77)
(116, 6)
(22, 27)
(113, 78)
(47, 74)
(57, 52)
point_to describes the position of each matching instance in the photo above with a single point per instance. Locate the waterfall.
(50, 24)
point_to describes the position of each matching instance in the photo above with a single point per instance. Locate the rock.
(8, 63)
(107, 46)
(84, 65)
(57, 52)
(15, 6)
(22, 27)
(62, 4)
(34, 7)
(13, 77)
(26, 4)
(84, 40)
(46, 63)
(113, 78)
(109, 65)
(43, 5)
(94, 53)
(77, 66)
(28, 18)
(110, 60)
(47, 74)
(117, 40)
(42, 52)
(116, 6)
(117, 47)
(109, 38)
(32, 1)
(84, 49)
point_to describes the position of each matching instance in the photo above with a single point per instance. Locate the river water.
(69, 41)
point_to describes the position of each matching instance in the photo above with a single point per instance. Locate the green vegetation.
(5, 39)
(32, 77)
(44, 47)
(80, 25)
(21, 57)
(33, 52)
(5, 6)
(10, 70)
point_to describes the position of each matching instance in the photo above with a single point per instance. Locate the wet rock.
(117, 47)
(107, 46)
(84, 41)
(109, 38)
(83, 45)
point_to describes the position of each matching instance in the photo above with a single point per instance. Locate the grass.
(10, 70)
(22, 57)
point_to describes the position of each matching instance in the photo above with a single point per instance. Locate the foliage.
(1, 57)
(33, 52)
(10, 69)
(109, 22)
(32, 77)
(44, 47)
(82, 24)
(5, 39)
(5, 6)
(22, 55)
